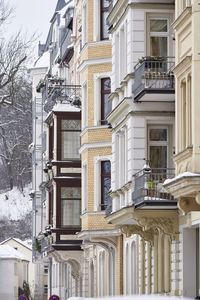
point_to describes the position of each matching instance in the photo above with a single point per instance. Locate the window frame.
(102, 11)
(76, 182)
(158, 143)
(104, 175)
(103, 120)
(60, 118)
(156, 16)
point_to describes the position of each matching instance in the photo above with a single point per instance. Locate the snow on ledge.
(182, 175)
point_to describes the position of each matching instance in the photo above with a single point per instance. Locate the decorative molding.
(166, 224)
(147, 235)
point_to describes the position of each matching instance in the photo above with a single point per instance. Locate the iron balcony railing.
(60, 93)
(148, 185)
(153, 74)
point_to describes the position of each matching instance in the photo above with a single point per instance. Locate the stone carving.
(147, 235)
(166, 224)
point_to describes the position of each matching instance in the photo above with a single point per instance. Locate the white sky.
(32, 16)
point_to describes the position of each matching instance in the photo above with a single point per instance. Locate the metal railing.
(60, 93)
(153, 73)
(148, 185)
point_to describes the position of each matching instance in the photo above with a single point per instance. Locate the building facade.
(185, 185)
(142, 120)
(116, 216)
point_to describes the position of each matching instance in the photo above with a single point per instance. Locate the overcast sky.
(32, 16)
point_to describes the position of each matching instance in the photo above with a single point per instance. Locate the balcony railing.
(148, 186)
(153, 75)
(60, 93)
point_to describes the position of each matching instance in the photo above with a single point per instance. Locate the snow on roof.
(27, 243)
(14, 204)
(7, 252)
(182, 175)
(65, 107)
(43, 61)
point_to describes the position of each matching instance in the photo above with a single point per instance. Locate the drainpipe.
(50, 275)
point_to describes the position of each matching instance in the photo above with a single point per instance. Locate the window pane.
(70, 145)
(104, 25)
(158, 134)
(106, 84)
(158, 156)
(70, 212)
(158, 46)
(106, 189)
(158, 26)
(107, 106)
(106, 167)
(71, 125)
(105, 3)
(71, 192)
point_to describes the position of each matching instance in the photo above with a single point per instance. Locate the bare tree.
(13, 57)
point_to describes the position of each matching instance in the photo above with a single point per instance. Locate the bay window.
(70, 206)
(69, 139)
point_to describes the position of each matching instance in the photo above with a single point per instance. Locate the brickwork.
(95, 222)
(97, 136)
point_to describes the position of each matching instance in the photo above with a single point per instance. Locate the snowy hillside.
(15, 205)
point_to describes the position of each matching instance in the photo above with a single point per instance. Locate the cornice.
(91, 62)
(183, 65)
(183, 155)
(182, 18)
(87, 146)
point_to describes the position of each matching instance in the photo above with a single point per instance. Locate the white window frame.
(97, 96)
(84, 106)
(158, 34)
(158, 143)
(97, 180)
(84, 186)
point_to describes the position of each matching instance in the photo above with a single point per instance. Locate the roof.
(23, 243)
(43, 61)
(8, 252)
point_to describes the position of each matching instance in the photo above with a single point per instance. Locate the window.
(158, 147)
(106, 103)
(70, 206)
(70, 139)
(159, 32)
(103, 15)
(51, 137)
(105, 184)
(45, 289)
(45, 269)
(51, 205)
(84, 24)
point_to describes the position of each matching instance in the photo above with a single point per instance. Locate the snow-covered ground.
(14, 205)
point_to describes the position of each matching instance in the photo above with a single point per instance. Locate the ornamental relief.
(148, 235)
(167, 225)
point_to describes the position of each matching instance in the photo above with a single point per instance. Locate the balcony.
(57, 92)
(149, 192)
(154, 79)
